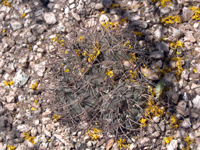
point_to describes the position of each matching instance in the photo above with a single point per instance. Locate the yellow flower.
(143, 122)
(66, 70)
(195, 71)
(121, 143)
(11, 147)
(35, 101)
(56, 117)
(4, 2)
(81, 38)
(28, 138)
(33, 109)
(95, 130)
(8, 83)
(110, 73)
(168, 139)
(78, 52)
(188, 140)
(34, 86)
(3, 31)
(95, 136)
(23, 15)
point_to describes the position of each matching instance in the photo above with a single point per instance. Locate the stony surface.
(26, 44)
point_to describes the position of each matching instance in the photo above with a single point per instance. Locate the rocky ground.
(26, 30)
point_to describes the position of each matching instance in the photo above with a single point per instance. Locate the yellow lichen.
(171, 19)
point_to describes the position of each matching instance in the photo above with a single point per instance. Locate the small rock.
(23, 128)
(99, 6)
(156, 134)
(72, 6)
(196, 25)
(71, 1)
(197, 68)
(33, 132)
(45, 120)
(182, 108)
(133, 146)
(89, 144)
(157, 55)
(186, 123)
(103, 18)
(3, 146)
(20, 78)
(189, 45)
(11, 98)
(150, 129)
(196, 125)
(162, 125)
(176, 34)
(196, 102)
(76, 16)
(169, 79)
(173, 145)
(43, 139)
(189, 37)
(156, 119)
(47, 133)
(16, 25)
(11, 106)
(150, 74)
(90, 22)
(158, 33)
(162, 46)
(83, 125)
(3, 122)
(195, 87)
(50, 18)
(107, 3)
(140, 23)
(173, 95)
(136, 17)
(40, 68)
(66, 10)
(43, 146)
(164, 11)
(144, 141)
(60, 138)
(187, 13)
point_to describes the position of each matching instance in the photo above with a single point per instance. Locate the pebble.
(196, 102)
(40, 68)
(173, 145)
(50, 18)
(107, 3)
(169, 79)
(162, 125)
(11, 106)
(20, 78)
(187, 13)
(182, 108)
(156, 134)
(157, 55)
(16, 25)
(99, 6)
(186, 123)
